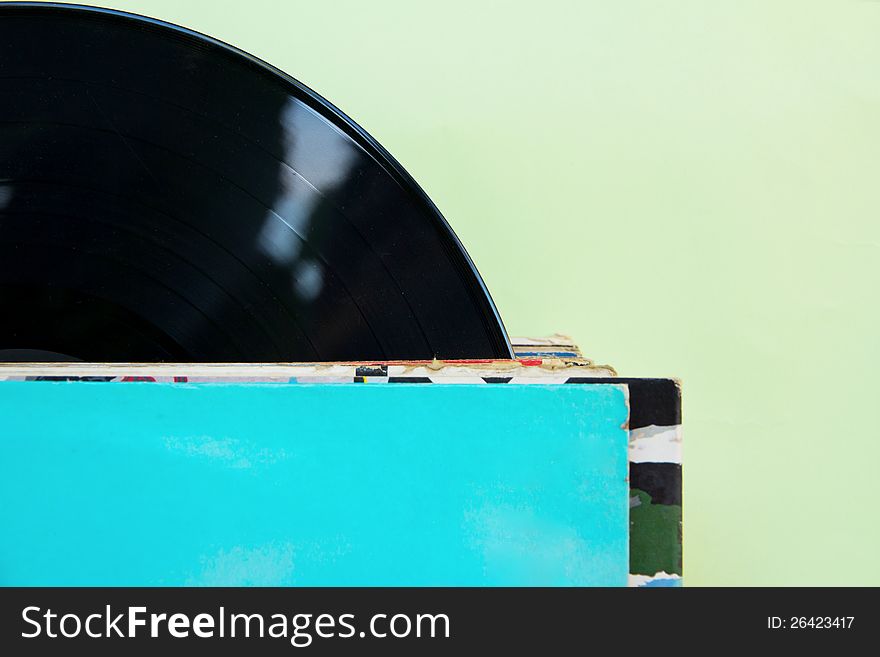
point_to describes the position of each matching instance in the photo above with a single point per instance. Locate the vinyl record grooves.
(166, 197)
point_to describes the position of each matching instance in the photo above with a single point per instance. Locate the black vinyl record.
(166, 197)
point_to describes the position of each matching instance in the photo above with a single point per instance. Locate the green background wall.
(688, 188)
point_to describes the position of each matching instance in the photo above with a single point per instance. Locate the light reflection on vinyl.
(165, 197)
